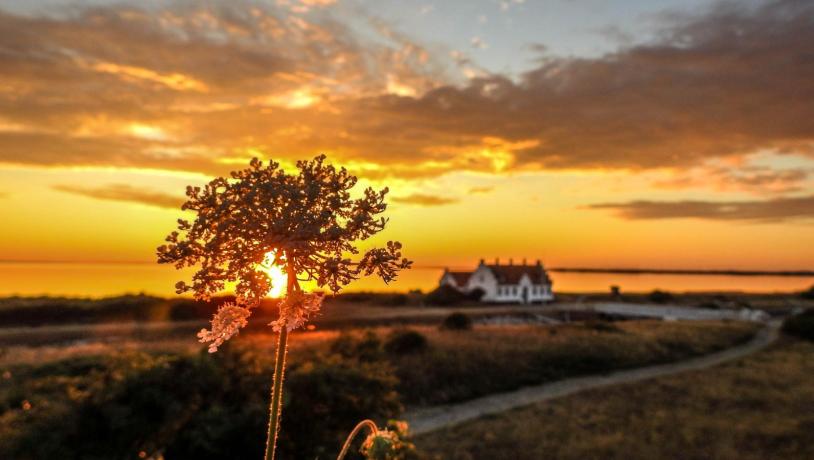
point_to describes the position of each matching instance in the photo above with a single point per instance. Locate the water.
(95, 280)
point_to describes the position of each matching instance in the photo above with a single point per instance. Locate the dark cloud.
(779, 209)
(423, 199)
(236, 80)
(125, 192)
(730, 83)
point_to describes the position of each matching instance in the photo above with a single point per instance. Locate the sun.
(279, 279)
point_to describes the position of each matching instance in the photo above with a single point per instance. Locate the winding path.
(433, 418)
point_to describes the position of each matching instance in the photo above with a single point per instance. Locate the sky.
(590, 133)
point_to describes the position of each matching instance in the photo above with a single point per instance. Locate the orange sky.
(688, 149)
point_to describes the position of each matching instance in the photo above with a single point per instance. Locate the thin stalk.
(275, 407)
(356, 429)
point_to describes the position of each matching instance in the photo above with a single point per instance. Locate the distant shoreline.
(656, 271)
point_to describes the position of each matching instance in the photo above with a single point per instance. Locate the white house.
(504, 283)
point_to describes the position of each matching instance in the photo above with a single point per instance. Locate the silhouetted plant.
(801, 326)
(306, 224)
(457, 322)
(446, 295)
(405, 341)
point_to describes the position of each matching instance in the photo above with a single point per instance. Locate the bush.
(457, 322)
(405, 342)
(326, 398)
(476, 294)
(809, 294)
(445, 296)
(800, 326)
(367, 348)
(206, 406)
(659, 296)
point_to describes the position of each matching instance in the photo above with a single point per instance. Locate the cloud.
(759, 180)
(125, 192)
(478, 43)
(235, 81)
(476, 190)
(422, 199)
(773, 210)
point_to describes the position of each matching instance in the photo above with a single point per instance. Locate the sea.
(110, 279)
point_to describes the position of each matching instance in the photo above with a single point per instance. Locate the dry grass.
(758, 408)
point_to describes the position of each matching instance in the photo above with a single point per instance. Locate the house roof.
(461, 278)
(511, 274)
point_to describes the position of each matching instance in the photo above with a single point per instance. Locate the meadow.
(170, 399)
(756, 408)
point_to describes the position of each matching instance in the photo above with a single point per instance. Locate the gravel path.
(433, 418)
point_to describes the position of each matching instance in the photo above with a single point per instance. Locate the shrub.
(801, 326)
(445, 295)
(809, 294)
(457, 322)
(328, 397)
(405, 342)
(206, 406)
(659, 296)
(367, 348)
(476, 294)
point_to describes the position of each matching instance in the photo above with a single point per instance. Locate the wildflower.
(308, 222)
(296, 309)
(229, 318)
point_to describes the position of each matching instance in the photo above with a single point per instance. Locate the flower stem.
(276, 405)
(364, 423)
(275, 408)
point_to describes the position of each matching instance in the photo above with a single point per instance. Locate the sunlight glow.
(279, 279)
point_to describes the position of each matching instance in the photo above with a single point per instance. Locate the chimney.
(497, 260)
(539, 263)
(524, 261)
(482, 262)
(510, 261)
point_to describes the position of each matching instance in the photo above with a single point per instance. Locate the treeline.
(39, 311)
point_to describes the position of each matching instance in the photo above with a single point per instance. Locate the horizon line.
(609, 270)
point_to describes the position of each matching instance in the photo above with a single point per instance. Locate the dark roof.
(511, 274)
(461, 278)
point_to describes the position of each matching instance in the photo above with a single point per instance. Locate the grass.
(464, 365)
(223, 396)
(754, 409)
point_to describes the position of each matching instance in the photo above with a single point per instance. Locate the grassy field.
(174, 399)
(759, 408)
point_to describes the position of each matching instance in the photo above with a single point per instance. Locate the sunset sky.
(629, 133)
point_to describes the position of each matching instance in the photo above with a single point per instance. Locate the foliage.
(659, 296)
(205, 406)
(801, 326)
(389, 444)
(445, 295)
(308, 221)
(329, 395)
(458, 367)
(457, 322)
(367, 348)
(809, 294)
(405, 341)
(767, 396)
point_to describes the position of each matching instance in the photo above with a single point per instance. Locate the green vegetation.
(457, 367)
(801, 326)
(754, 409)
(202, 406)
(215, 405)
(405, 342)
